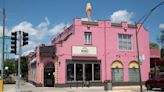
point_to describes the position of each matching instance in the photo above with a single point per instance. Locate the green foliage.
(12, 66)
(24, 67)
(162, 52)
(153, 45)
(161, 38)
(161, 68)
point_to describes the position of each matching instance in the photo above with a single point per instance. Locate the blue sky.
(43, 19)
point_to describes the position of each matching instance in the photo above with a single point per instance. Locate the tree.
(12, 66)
(161, 38)
(153, 45)
(161, 42)
(24, 67)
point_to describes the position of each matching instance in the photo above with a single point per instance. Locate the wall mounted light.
(88, 27)
(125, 29)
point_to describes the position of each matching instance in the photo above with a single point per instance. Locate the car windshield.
(161, 75)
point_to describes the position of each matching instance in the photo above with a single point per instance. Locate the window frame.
(83, 65)
(127, 40)
(88, 39)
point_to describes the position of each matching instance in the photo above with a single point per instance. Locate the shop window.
(83, 72)
(96, 71)
(88, 72)
(79, 72)
(70, 72)
(125, 42)
(88, 37)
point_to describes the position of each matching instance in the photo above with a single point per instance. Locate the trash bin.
(107, 85)
(1, 85)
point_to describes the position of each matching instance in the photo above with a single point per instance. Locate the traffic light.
(25, 38)
(14, 42)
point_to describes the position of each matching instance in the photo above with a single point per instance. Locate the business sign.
(80, 50)
(47, 51)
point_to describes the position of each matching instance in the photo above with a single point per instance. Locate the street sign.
(141, 58)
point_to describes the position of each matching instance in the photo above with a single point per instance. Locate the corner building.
(95, 52)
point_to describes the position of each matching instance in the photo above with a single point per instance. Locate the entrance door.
(88, 72)
(49, 75)
(79, 72)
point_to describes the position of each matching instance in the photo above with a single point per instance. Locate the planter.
(107, 85)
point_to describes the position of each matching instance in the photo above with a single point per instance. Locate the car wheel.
(149, 87)
(162, 89)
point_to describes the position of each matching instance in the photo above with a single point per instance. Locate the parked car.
(155, 81)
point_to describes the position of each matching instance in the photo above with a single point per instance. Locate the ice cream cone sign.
(88, 11)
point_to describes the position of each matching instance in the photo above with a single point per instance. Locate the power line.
(147, 15)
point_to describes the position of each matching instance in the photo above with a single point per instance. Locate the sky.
(44, 19)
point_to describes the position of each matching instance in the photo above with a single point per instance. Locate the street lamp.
(6, 69)
(142, 21)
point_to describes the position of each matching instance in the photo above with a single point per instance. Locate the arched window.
(133, 71)
(117, 71)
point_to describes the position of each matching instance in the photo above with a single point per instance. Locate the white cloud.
(161, 26)
(1, 31)
(27, 52)
(0, 57)
(121, 15)
(26, 27)
(57, 29)
(37, 34)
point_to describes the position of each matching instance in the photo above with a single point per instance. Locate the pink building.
(93, 52)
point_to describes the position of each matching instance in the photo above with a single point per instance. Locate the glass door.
(88, 72)
(79, 72)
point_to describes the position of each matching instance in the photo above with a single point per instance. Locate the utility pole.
(6, 52)
(3, 45)
(142, 21)
(137, 47)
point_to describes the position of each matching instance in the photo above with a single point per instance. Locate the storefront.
(83, 70)
(92, 52)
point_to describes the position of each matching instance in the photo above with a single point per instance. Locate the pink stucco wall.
(105, 39)
(40, 61)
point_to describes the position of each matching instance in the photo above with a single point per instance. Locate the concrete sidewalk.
(27, 87)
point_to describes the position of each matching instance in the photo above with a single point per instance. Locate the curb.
(120, 91)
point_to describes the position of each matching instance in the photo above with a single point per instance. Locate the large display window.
(81, 71)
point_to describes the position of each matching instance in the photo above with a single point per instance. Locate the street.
(27, 87)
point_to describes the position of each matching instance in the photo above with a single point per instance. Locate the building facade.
(94, 52)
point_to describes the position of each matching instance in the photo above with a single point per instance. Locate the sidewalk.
(27, 87)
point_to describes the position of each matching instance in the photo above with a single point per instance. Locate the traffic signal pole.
(19, 61)
(20, 53)
(14, 39)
